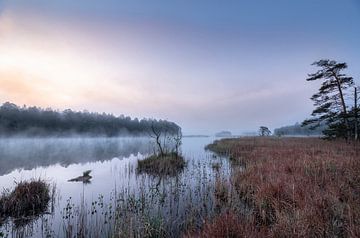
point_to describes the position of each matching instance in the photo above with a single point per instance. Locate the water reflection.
(26, 153)
(118, 197)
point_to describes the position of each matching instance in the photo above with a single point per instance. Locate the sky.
(207, 65)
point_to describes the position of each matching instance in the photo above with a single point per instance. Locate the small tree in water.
(167, 140)
(156, 133)
(167, 159)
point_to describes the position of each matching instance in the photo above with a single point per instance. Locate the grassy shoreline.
(295, 187)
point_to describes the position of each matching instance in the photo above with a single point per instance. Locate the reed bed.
(293, 187)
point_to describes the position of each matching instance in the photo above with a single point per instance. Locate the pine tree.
(331, 108)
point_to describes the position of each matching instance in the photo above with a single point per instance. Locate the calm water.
(113, 162)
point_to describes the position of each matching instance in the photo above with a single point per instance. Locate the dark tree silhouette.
(34, 121)
(355, 113)
(156, 133)
(297, 129)
(331, 108)
(264, 131)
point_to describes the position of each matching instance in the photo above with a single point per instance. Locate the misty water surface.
(113, 162)
(29, 153)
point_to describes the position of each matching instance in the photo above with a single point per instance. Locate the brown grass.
(229, 225)
(27, 199)
(169, 164)
(296, 187)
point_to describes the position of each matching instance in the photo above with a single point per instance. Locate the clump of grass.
(29, 198)
(168, 164)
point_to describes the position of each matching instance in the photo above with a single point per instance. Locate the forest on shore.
(298, 130)
(36, 121)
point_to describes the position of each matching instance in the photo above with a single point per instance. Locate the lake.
(117, 196)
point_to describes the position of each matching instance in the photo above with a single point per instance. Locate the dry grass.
(229, 225)
(296, 187)
(27, 199)
(169, 164)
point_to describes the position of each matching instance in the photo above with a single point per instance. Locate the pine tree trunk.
(355, 114)
(343, 106)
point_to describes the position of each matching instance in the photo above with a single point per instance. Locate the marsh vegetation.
(258, 186)
(28, 200)
(119, 201)
(291, 187)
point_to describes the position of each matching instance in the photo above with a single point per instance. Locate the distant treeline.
(35, 121)
(297, 129)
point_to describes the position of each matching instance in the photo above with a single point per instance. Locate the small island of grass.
(28, 199)
(167, 164)
(167, 159)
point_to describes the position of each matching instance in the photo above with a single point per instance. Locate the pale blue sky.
(207, 65)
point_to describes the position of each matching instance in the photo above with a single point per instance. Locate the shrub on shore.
(27, 199)
(168, 164)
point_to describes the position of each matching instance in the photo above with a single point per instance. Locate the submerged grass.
(168, 164)
(160, 207)
(29, 198)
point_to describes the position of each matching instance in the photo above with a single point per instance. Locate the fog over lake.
(113, 163)
(179, 118)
